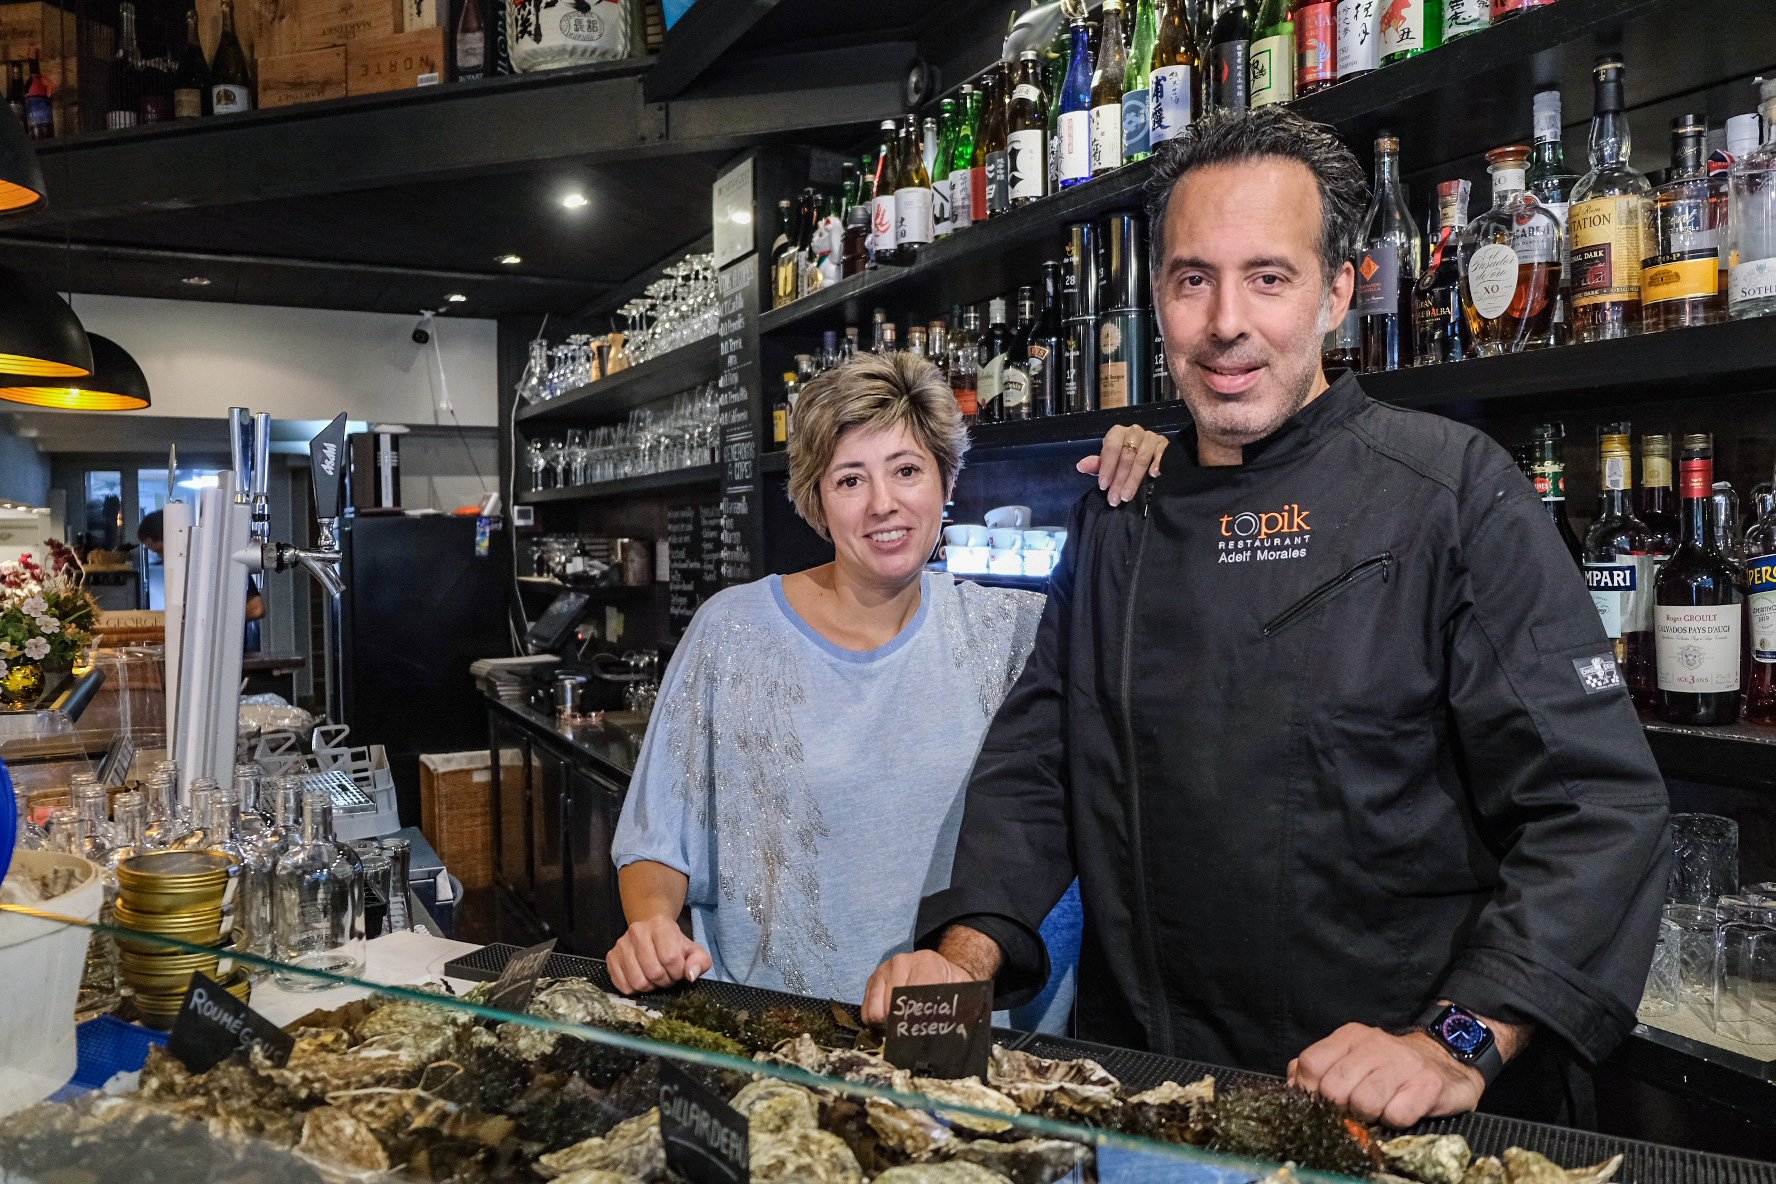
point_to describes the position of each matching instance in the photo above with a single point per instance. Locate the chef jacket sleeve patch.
(1598, 673)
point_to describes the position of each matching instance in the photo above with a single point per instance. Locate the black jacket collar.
(1343, 399)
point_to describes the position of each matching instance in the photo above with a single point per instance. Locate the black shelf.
(773, 462)
(991, 440)
(608, 398)
(692, 478)
(1733, 754)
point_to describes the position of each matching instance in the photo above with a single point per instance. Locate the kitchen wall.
(24, 471)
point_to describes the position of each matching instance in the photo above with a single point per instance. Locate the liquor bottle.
(1442, 329)
(965, 364)
(1033, 380)
(123, 78)
(916, 341)
(15, 90)
(1106, 95)
(1548, 470)
(1409, 28)
(1137, 84)
(1076, 103)
(1316, 44)
(1079, 305)
(1125, 326)
(783, 263)
(912, 197)
(879, 331)
(1054, 86)
(992, 124)
(1658, 504)
(807, 279)
(1343, 347)
(1273, 56)
(1552, 186)
(990, 357)
(1697, 610)
(1014, 382)
(154, 93)
(928, 143)
(231, 85)
(1510, 259)
(1176, 76)
(1725, 507)
(470, 41)
(39, 110)
(1230, 58)
(890, 338)
(1461, 17)
(319, 901)
(1621, 563)
(1359, 37)
(1680, 282)
(882, 229)
(1509, 8)
(937, 335)
(968, 118)
(1387, 266)
(998, 124)
(1610, 222)
(942, 221)
(1027, 141)
(1760, 614)
(1751, 257)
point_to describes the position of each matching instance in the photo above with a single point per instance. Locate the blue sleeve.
(667, 814)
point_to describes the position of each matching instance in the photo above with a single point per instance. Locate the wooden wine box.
(302, 77)
(323, 23)
(424, 14)
(374, 65)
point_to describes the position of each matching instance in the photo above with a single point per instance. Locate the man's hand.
(921, 968)
(1129, 454)
(1397, 1080)
(655, 953)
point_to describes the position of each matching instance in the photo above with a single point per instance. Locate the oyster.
(598, 1176)
(772, 1106)
(800, 1052)
(334, 1137)
(1433, 1159)
(803, 1156)
(968, 1091)
(940, 1173)
(577, 1001)
(1597, 1173)
(1068, 1090)
(634, 1148)
(1168, 1111)
(423, 1032)
(1528, 1167)
(910, 1134)
(1487, 1169)
(1027, 1161)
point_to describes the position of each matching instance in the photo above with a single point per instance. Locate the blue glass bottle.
(1074, 149)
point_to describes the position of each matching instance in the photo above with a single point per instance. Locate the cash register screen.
(552, 630)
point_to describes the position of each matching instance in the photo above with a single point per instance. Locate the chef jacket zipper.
(1143, 917)
(1326, 591)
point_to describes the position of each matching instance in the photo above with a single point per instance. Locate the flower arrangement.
(46, 616)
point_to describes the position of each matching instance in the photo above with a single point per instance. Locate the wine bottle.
(912, 196)
(1176, 75)
(1137, 85)
(1386, 267)
(1697, 606)
(1548, 470)
(123, 79)
(1106, 96)
(471, 41)
(1075, 120)
(231, 85)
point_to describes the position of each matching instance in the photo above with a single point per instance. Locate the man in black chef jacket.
(1325, 722)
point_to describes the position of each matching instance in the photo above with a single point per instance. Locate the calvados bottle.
(1075, 120)
(1176, 77)
(1621, 563)
(1680, 284)
(1760, 616)
(1697, 609)
(1510, 261)
(1359, 37)
(1461, 17)
(1272, 66)
(1316, 44)
(1230, 58)
(1387, 267)
(1751, 259)
(1137, 85)
(1552, 186)
(1106, 96)
(1026, 161)
(231, 85)
(318, 902)
(1610, 225)
(1439, 321)
(962, 159)
(1409, 28)
(1547, 469)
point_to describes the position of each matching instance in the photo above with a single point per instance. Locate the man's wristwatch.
(1466, 1038)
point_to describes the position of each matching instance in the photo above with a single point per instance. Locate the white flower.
(35, 606)
(36, 649)
(8, 650)
(48, 626)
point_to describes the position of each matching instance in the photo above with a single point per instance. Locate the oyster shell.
(1487, 1169)
(423, 1032)
(598, 1176)
(1597, 1173)
(1027, 1161)
(940, 1173)
(968, 1091)
(1168, 1111)
(772, 1106)
(803, 1156)
(910, 1134)
(633, 1147)
(577, 1001)
(1529, 1167)
(1081, 1089)
(334, 1137)
(1432, 1159)
(801, 1052)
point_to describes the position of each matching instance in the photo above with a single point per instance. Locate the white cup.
(1018, 516)
(1005, 538)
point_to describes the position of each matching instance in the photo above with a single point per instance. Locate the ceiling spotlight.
(511, 260)
(574, 201)
(456, 298)
(196, 281)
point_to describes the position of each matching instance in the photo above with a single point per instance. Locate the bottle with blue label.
(1760, 614)
(1174, 78)
(1620, 565)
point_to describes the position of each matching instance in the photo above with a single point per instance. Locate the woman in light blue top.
(801, 782)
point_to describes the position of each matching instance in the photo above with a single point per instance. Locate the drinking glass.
(400, 855)
(1698, 964)
(1705, 858)
(376, 885)
(1745, 1004)
(1660, 996)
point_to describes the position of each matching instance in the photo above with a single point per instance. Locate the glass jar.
(318, 902)
(549, 34)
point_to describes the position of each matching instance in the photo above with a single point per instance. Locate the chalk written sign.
(517, 982)
(706, 1139)
(212, 1025)
(942, 1031)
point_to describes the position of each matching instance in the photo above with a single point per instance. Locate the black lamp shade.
(116, 384)
(39, 334)
(21, 180)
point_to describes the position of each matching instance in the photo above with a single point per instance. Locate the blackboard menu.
(739, 417)
(693, 539)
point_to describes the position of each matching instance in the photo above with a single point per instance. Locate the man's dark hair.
(1231, 137)
(151, 529)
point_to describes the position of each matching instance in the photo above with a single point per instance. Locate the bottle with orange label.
(1610, 223)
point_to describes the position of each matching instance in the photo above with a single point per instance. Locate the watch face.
(1464, 1035)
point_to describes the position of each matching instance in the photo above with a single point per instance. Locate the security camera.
(422, 329)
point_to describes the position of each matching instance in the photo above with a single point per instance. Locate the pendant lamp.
(21, 180)
(116, 384)
(39, 334)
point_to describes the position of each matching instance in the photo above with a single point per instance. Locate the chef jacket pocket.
(1331, 589)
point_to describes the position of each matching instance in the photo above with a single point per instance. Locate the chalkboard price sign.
(737, 414)
(212, 1025)
(707, 1140)
(941, 1031)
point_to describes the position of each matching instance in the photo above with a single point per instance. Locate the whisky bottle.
(1621, 563)
(1610, 226)
(1125, 326)
(1176, 76)
(1027, 151)
(1079, 304)
(964, 365)
(1752, 256)
(1387, 267)
(1680, 283)
(991, 357)
(1441, 327)
(1106, 96)
(1697, 609)
(1510, 261)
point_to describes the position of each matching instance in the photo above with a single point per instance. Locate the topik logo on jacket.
(1282, 533)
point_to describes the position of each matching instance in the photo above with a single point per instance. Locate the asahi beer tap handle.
(326, 452)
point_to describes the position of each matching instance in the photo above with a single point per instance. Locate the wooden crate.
(302, 77)
(425, 14)
(36, 29)
(341, 22)
(456, 811)
(374, 65)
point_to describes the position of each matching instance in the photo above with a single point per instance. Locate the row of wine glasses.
(673, 311)
(552, 371)
(661, 438)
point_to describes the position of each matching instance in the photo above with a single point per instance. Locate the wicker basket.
(456, 812)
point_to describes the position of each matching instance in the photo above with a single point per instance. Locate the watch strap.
(1488, 1062)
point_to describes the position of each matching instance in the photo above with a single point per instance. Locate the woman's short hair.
(872, 392)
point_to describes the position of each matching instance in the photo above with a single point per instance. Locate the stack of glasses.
(180, 896)
(1715, 960)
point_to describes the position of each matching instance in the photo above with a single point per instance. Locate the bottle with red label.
(1316, 44)
(1698, 603)
(1508, 8)
(1547, 469)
